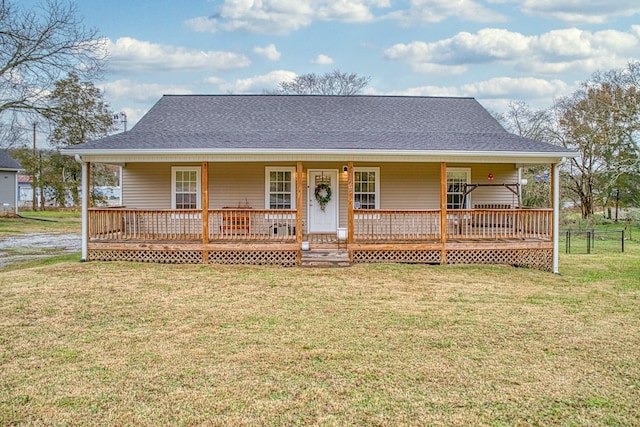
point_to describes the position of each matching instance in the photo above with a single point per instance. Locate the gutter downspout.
(556, 214)
(85, 208)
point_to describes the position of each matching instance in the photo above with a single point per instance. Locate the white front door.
(322, 195)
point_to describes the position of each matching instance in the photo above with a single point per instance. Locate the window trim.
(467, 200)
(198, 170)
(267, 185)
(376, 170)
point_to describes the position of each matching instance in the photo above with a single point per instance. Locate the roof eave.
(319, 152)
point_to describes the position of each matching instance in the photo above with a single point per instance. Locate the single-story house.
(257, 179)
(9, 183)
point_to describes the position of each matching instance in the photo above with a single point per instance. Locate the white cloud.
(518, 88)
(284, 16)
(495, 88)
(552, 52)
(255, 84)
(129, 54)
(345, 11)
(270, 52)
(432, 11)
(322, 60)
(495, 93)
(131, 91)
(128, 92)
(203, 24)
(581, 11)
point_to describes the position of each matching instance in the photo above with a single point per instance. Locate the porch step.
(325, 258)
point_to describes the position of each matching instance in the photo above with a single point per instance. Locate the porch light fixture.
(345, 169)
(490, 177)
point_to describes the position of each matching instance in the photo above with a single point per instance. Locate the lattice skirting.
(399, 256)
(161, 256)
(284, 258)
(537, 259)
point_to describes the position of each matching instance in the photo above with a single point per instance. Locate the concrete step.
(325, 258)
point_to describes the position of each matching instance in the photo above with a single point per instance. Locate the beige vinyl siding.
(238, 184)
(402, 185)
(147, 185)
(409, 185)
(417, 185)
(502, 174)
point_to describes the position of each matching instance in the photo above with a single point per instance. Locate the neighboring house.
(8, 183)
(254, 178)
(25, 191)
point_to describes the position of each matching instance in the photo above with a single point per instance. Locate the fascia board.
(410, 155)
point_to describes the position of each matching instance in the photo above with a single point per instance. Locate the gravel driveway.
(37, 245)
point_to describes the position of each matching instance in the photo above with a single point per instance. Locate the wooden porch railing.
(280, 225)
(140, 224)
(252, 224)
(499, 224)
(396, 225)
(186, 225)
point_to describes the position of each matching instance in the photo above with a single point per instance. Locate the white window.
(185, 187)
(457, 178)
(366, 188)
(280, 188)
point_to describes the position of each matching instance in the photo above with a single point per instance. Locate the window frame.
(467, 200)
(375, 170)
(198, 171)
(267, 186)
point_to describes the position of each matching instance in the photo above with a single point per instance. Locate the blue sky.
(494, 50)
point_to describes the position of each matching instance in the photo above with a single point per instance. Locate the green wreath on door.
(323, 195)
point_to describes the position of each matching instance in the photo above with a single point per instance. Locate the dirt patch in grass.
(143, 344)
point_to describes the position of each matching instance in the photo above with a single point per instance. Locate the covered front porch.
(486, 234)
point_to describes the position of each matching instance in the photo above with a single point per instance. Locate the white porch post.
(86, 173)
(555, 177)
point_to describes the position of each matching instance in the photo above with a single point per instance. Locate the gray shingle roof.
(6, 162)
(371, 123)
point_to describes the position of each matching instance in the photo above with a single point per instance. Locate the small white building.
(8, 184)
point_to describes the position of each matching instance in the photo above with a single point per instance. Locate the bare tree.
(38, 46)
(623, 102)
(601, 121)
(331, 83)
(522, 120)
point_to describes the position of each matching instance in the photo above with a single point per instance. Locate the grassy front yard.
(58, 222)
(143, 344)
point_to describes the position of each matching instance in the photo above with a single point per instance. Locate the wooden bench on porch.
(234, 222)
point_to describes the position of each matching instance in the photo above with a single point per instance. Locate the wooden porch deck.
(500, 236)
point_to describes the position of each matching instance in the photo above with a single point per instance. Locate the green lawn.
(41, 222)
(144, 344)
(147, 344)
